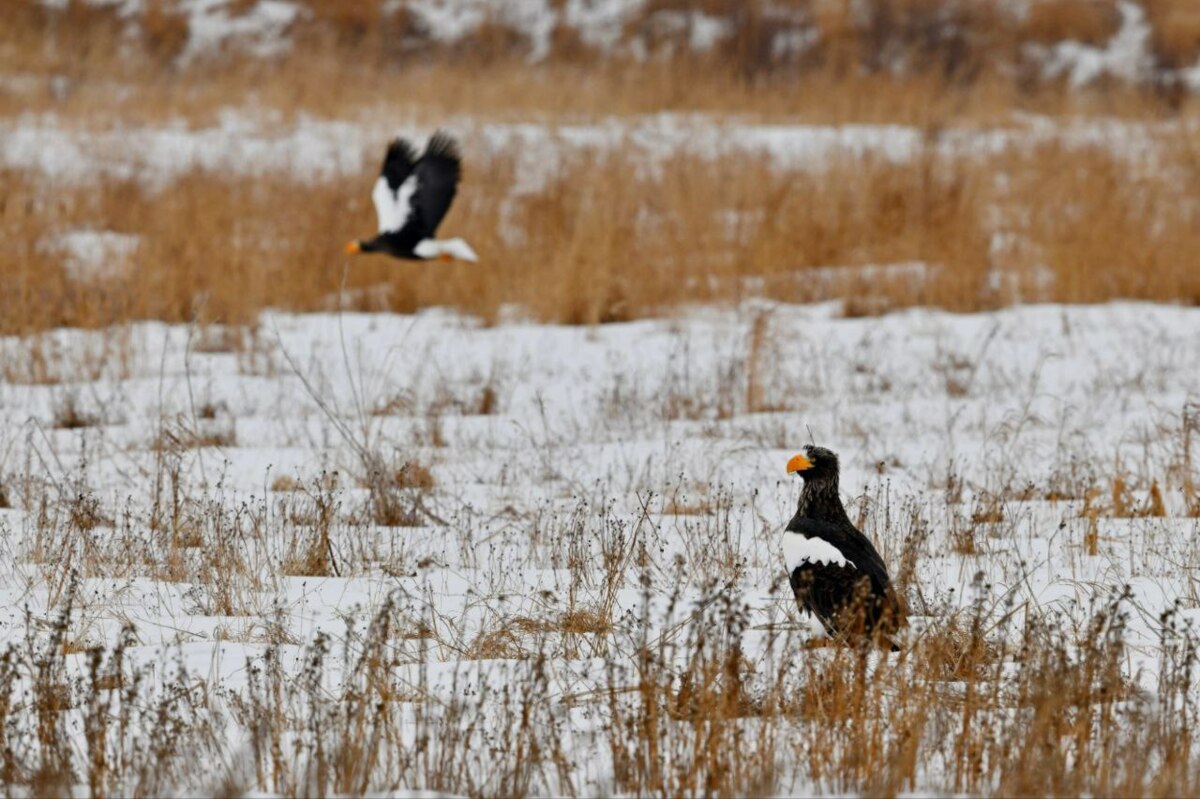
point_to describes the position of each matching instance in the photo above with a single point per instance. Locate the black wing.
(853, 545)
(829, 590)
(825, 589)
(437, 172)
(398, 163)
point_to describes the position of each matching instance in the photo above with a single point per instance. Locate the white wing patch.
(797, 549)
(393, 207)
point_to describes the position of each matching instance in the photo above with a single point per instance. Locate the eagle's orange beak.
(353, 247)
(798, 463)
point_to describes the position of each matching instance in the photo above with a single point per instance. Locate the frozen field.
(357, 553)
(254, 542)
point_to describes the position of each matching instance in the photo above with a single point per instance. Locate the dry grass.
(70, 415)
(415, 476)
(1176, 26)
(218, 247)
(1025, 711)
(925, 62)
(684, 694)
(989, 704)
(1089, 21)
(1082, 225)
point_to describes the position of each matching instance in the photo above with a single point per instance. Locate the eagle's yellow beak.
(352, 248)
(798, 463)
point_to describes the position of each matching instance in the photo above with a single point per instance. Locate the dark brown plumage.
(834, 570)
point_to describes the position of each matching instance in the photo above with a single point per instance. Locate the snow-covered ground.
(488, 515)
(181, 476)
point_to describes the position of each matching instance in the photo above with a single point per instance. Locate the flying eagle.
(411, 196)
(834, 570)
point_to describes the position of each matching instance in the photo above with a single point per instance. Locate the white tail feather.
(459, 250)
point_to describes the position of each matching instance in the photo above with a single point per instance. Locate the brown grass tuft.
(69, 415)
(1176, 31)
(414, 475)
(284, 483)
(1088, 21)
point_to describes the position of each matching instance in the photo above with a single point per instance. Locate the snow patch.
(262, 29)
(93, 255)
(451, 21)
(1126, 56)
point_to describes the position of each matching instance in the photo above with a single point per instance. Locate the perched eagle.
(834, 570)
(411, 196)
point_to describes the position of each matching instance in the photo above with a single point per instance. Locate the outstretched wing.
(395, 187)
(437, 173)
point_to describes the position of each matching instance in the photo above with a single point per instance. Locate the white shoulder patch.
(797, 549)
(393, 207)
